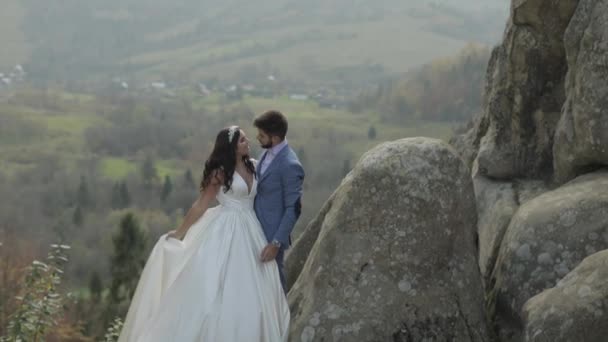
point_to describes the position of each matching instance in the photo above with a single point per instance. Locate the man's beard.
(266, 146)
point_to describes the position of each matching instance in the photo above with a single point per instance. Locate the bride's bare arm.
(199, 207)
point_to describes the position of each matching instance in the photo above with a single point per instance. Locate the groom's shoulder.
(293, 163)
(293, 157)
(292, 152)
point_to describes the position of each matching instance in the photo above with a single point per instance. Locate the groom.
(280, 176)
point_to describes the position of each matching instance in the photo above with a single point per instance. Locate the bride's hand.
(173, 234)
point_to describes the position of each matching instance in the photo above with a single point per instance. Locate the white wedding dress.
(212, 286)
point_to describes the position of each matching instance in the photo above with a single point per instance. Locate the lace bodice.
(239, 195)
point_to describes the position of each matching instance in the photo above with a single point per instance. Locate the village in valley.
(9, 79)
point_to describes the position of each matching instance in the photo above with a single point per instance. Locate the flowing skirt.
(210, 287)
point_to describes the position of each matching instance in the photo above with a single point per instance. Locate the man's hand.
(269, 252)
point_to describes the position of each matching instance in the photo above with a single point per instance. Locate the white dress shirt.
(271, 154)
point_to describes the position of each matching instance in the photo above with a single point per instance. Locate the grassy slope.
(297, 40)
(63, 139)
(13, 47)
(338, 46)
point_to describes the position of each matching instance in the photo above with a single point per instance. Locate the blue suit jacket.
(279, 192)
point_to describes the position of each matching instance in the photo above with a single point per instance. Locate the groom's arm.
(292, 178)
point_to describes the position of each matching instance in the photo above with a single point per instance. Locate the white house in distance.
(15, 75)
(159, 85)
(202, 88)
(298, 97)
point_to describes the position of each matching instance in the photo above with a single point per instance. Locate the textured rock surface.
(525, 91)
(497, 202)
(298, 253)
(574, 310)
(545, 113)
(547, 238)
(544, 118)
(581, 141)
(395, 257)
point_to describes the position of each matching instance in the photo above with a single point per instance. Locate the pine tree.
(127, 261)
(188, 180)
(115, 201)
(125, 197)
(78, 217)
(95, 287)
(83, 197)
(91, 311)
(371, 133)
(148, 171)
(167, 188)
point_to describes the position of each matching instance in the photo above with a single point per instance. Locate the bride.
(205, 281)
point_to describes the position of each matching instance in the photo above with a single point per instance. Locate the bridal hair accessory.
(231, 132)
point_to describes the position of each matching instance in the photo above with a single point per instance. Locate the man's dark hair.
(273, 123)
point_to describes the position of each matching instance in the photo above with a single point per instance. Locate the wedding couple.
(219, 276)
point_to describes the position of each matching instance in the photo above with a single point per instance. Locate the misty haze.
(110, 108)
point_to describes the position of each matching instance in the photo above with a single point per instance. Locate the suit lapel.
(274, 163)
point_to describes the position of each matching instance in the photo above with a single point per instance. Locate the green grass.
(171, 168)
(350, 129)
(211, 102)
(11, 168)
(72, 124)
(64, 139)
(19, 110)
(310, 125)
(60, 137)
(117, 168)
(302, 114)
(76, 97)
(287, 106)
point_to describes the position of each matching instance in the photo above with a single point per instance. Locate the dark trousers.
(280, 264)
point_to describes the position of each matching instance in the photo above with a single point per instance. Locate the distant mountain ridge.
(155, 39)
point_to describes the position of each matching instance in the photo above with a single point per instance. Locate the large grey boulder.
(525, 92)
(581, 140)
(299, 252)
(544, 118)
(394, 258)
(576, 309)
(547, 238)
(497, 203)
(513, 136)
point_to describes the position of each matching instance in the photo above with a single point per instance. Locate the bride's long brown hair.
(223, 159)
